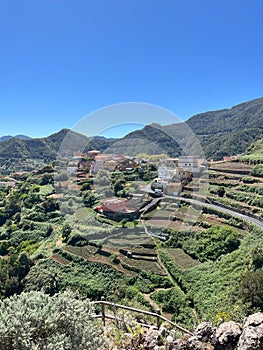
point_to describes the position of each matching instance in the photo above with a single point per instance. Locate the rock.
(252, 335)
(205, 332)
(152, 339)
(193, 343)
(163, 331)
(169, 339)
(172, 333)
(227, 336)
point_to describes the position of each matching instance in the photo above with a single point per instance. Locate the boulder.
(226, 336)
(252, 335)
(193, 343)
(205, 332)
(152, 339)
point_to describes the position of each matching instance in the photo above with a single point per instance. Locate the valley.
(185, 254)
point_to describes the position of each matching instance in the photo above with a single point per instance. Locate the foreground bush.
(36, 321)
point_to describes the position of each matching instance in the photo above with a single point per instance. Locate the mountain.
(254, 153)
(214, 134)
(152, 139)
(8, 137)
(64, 142)
(229, 131)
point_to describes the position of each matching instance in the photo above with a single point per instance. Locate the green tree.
(86, 186)
(257, 170)
(221, 191)
(257, 257)
(90, 199)
(66, 230)
(250, 289)
(118, 186)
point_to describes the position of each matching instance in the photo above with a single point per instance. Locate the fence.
(157, 315)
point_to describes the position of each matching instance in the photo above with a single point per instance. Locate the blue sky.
(63, 59)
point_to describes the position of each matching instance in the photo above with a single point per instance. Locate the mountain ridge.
(8, 137)
(218, 133)
(214, 134)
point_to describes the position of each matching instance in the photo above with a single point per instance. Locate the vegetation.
(35, 320)
(229, 131)
(52, 242)
(254, 153)
(257, 170)
(206, 245)
(220, 133)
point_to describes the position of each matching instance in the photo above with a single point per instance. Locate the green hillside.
(33, 152)
(213, 134)
(254, 153)
(55, 241)
(229, 131)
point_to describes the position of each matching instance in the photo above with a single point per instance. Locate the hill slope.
(8, 137)
(47, 148)
(229, 131)
(254, 153)
(220, 133)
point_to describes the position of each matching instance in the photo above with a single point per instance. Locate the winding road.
(231, 212)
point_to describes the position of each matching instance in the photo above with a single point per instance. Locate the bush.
(208, 244)
(248, 180)
(250, 289)
(4, 245)
(37, 321)
(257, 170)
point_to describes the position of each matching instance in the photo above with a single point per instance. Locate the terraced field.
(128, 238)
(125, 264)
(60, 259)
(141, 264)
(181, 259)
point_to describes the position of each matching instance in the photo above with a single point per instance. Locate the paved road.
(219, 208)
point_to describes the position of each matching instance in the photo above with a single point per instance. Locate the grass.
(128, 238)
(60, 259)
(181, 259)
(140, 264)
(45, 190)
(252, 158)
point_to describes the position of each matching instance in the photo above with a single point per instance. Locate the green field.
(181, 259)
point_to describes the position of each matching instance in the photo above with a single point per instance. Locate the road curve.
(219, 208)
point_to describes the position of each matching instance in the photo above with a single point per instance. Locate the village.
(139, 184)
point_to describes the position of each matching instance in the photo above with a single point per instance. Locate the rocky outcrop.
(228, 336)
(252, 335)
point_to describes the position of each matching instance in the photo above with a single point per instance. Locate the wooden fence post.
(103, 311)
(158, 311)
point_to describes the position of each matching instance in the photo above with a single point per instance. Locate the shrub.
(257, 170)
(37, 321)
(248, 180)
(250, 289)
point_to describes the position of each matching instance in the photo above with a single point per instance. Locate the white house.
(190, 163)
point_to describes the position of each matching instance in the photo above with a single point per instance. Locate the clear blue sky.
(62, 59)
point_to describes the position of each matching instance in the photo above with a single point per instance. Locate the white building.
(190, 163)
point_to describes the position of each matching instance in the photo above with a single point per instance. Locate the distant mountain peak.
(20, 137)
(220, 133)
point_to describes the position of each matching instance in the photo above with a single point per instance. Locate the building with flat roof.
(190, 163)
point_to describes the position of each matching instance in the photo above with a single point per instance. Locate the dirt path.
(148, 297)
